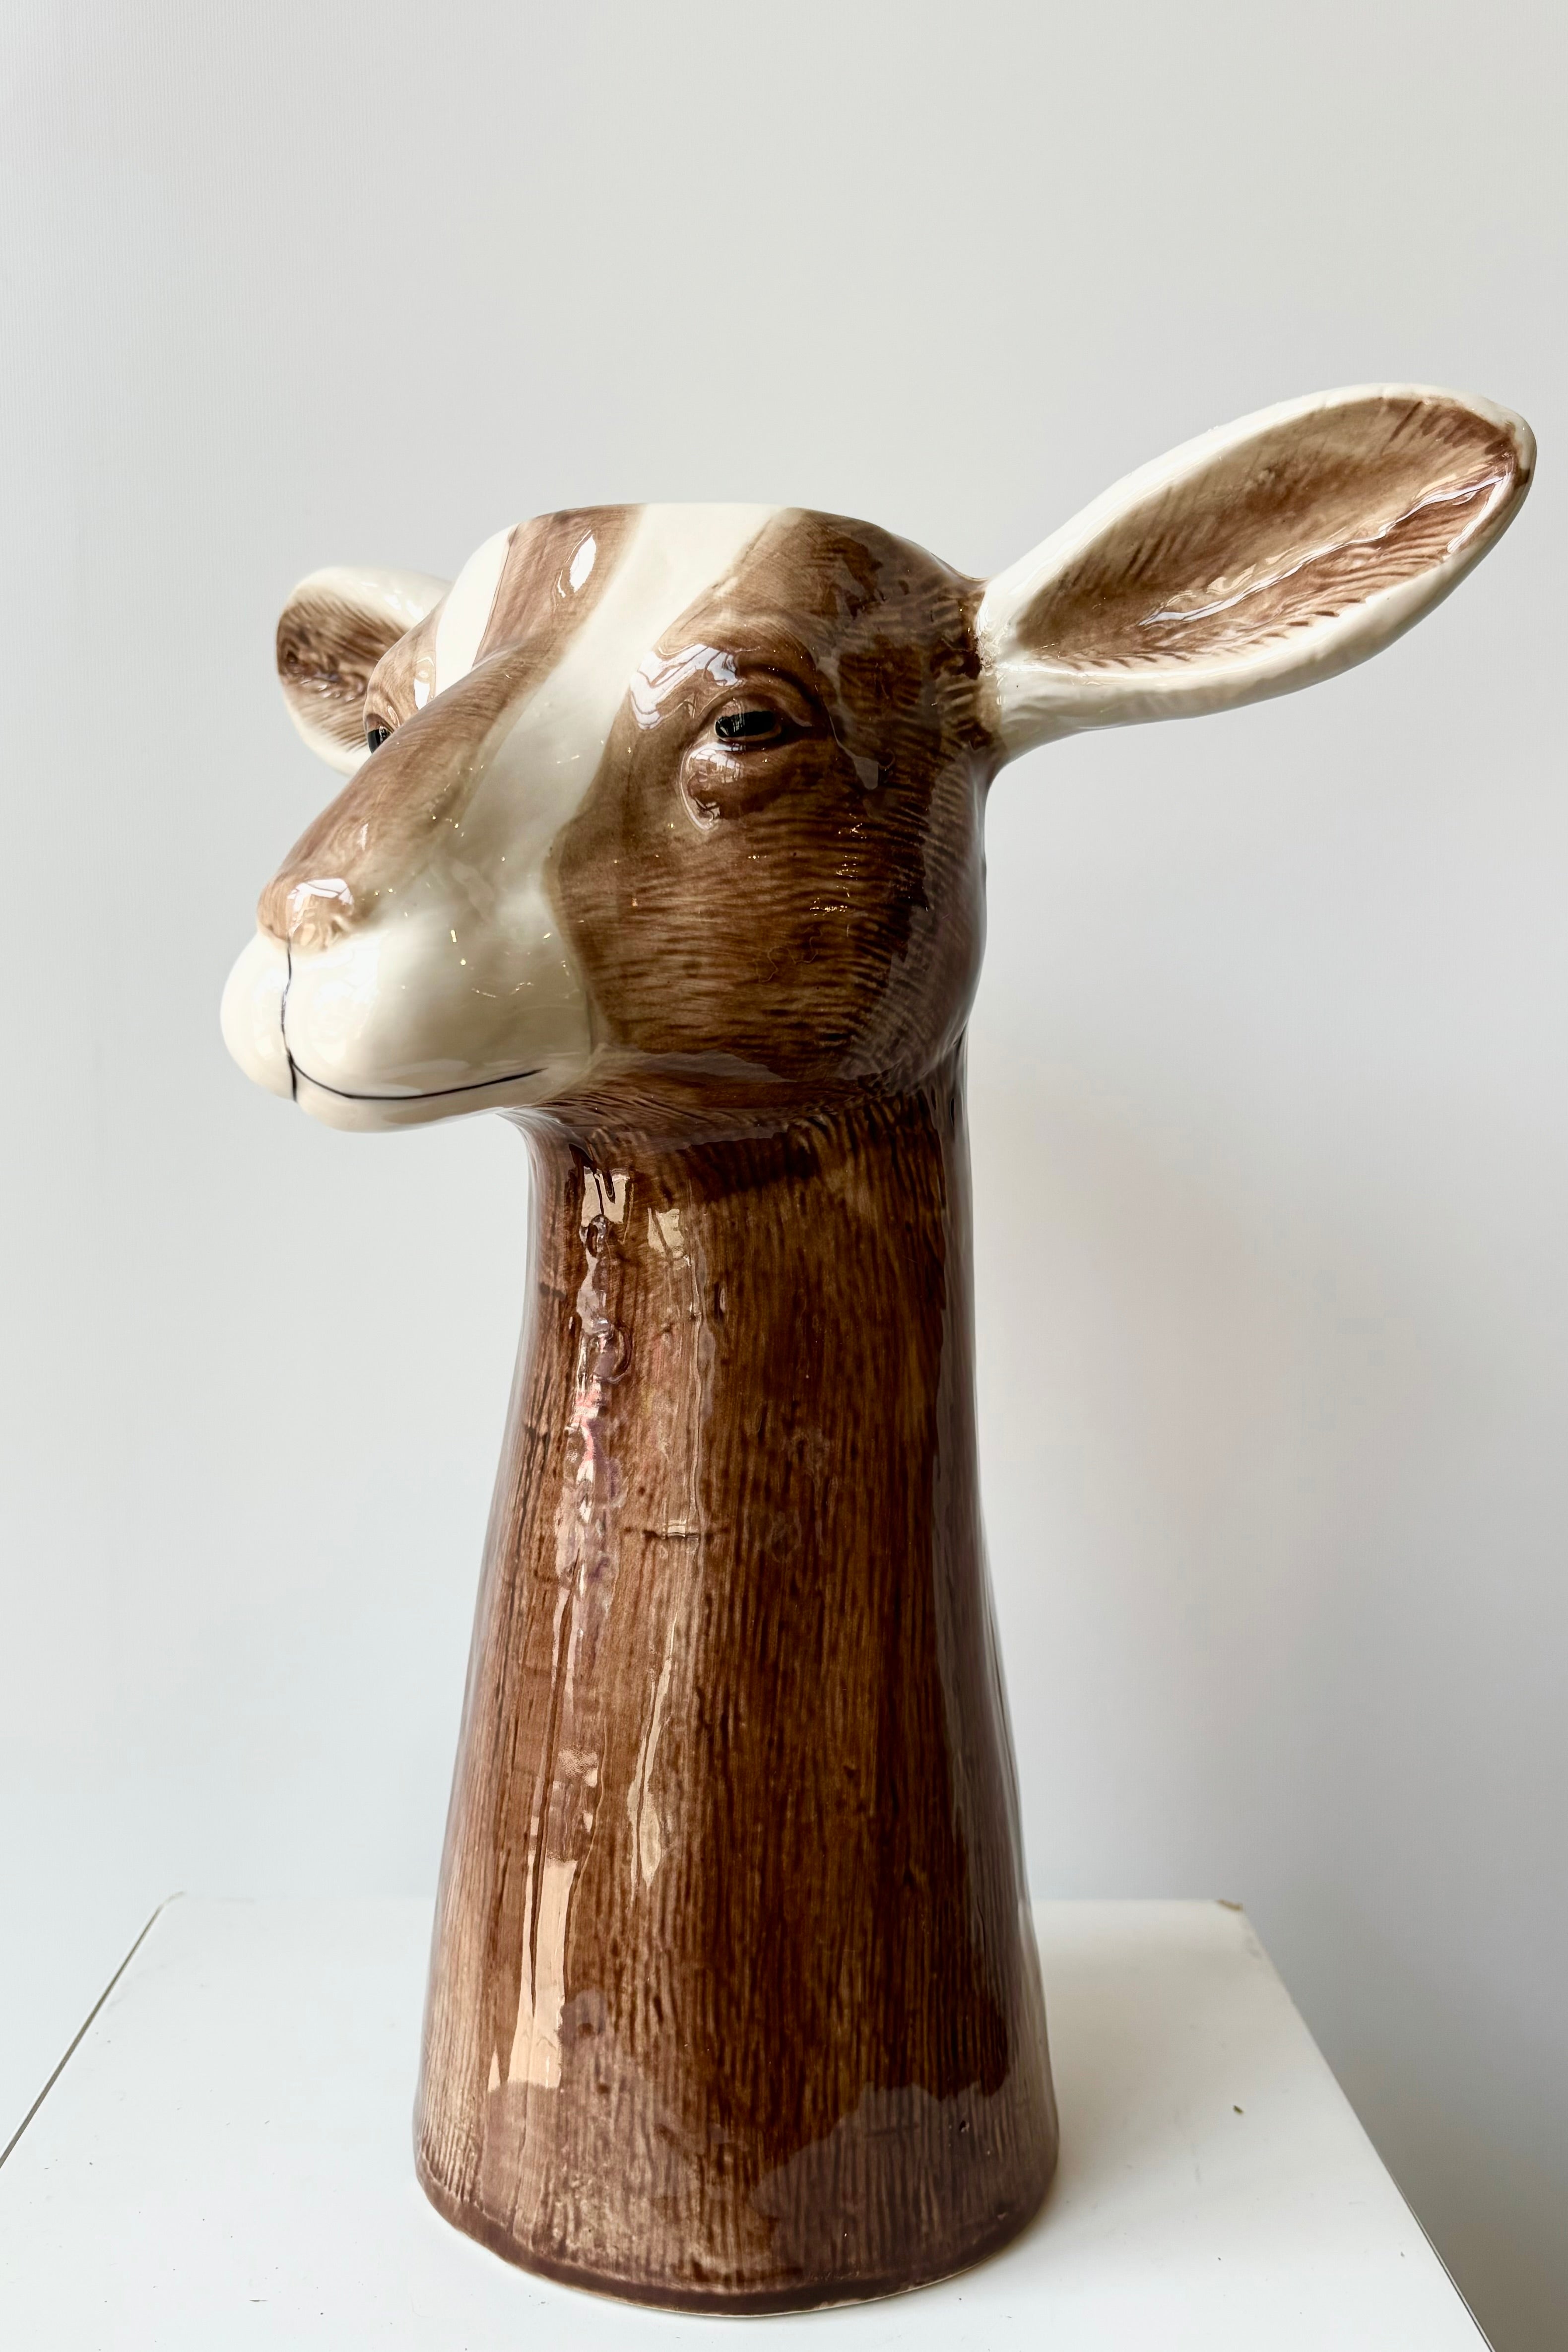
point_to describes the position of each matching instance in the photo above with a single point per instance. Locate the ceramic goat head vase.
(662, 833)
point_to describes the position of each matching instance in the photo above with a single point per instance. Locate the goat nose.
(317, 910)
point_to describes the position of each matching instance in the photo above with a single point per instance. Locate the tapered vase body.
(734, 1999)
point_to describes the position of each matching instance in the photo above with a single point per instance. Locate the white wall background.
(1270, 1062)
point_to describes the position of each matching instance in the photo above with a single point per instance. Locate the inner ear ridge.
(1293, 527)
(327, 649)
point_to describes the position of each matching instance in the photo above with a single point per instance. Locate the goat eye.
(376, 736)
(749, 727)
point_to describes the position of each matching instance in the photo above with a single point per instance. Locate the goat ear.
(331, 633)
(1257, 559)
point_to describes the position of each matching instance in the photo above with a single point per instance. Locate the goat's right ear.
(331, 633)
(1268, 553)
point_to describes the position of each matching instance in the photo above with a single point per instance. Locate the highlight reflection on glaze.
(662, 833)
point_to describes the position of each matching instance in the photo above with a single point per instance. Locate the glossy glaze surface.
(734, 1995)
(665, 839)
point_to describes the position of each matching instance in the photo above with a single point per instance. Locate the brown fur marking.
(381, 826)
(1292, 528)
(808, 912)
(327, 649)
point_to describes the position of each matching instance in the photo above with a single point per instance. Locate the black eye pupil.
(745, 725)
(376, 736)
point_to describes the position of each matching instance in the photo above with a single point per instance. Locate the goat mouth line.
(426, 1094)
(347, 1094)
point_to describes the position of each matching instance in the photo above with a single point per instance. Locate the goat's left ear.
(1263, 556)
(331, 633)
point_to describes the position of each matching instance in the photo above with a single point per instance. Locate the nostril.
(309, 914)
(318, 909)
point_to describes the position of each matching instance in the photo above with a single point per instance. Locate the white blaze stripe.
(552, 754)
(467, 609)
(460, 978)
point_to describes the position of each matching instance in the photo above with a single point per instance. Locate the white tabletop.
(224, 2161)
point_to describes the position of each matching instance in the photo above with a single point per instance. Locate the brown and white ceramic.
(662, 833)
